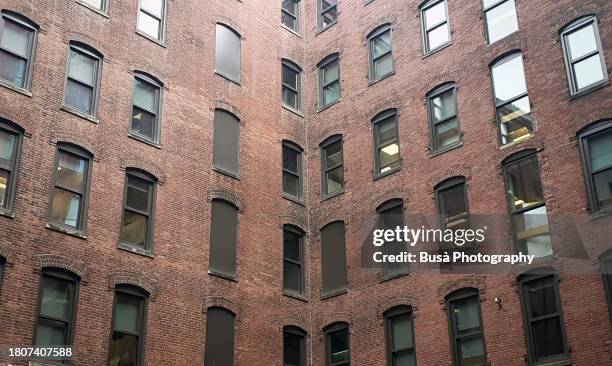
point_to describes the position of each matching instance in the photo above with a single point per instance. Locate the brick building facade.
(177, 160)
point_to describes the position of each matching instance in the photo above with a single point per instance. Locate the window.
(443, 121)
(543, 318)
(223, 238)
(290, 14)
(101, 5)
(292, 171)
(333, 259)
(228, 53)
(526, 204)
(82, 80)
(293, 260)
(584, 60)
(596, 149)
(10, 147)
(329, 81)
(152, 18)
(400, 337)
(337, 345)
(381, 53)
(57, 301)
(17, 45)
(465, 323)
(226, 143)
(391, 216)
(72, 171)
(2, 265)
(146, 109)
(219, 337)
(332, 166)
(434, 21)
(453, 206)
(138, 208)
(327, 13)
(500, 19)
(129, 319)
(386, 143)
(606, 272)
(294, 346)
(512, 105)
(291, 89)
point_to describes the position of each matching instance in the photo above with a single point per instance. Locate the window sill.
(390, 276)
(589, 90)
(567, 362)
(375, 81)
(224, 276)
(134, 249)
(7, 214)
(387, 173)
(321, 109)
(295, 33)
(13, 87)
(148, 37)
(513, 143)
(433, 52)
(226, 173)
(332, 195)
(334, 294)
(77, 113)
(228, 78)
(294, 200)
(294, 295)
(64, 230)
(294, 111)
(601, 214)
(321, 30)
(97, 11)
(144, 140)
(446, 149)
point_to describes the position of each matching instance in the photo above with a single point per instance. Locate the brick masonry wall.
(177, 277)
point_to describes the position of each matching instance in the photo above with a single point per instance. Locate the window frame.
(389, 316)
(322, 85)
(12, 129)
(216, 167)
(147, 249)
(83, 49)
(583, 144)
(450, 300)
(334, 328)
(440, 204)
(433, 141)
(575, 26)
(296, 331)
(206, 345)
(300, 170)
(79, 152)
(218, 272)
(522, 281)
(325, 169)
(142, 77)
(321, 11)
(103, 9)
(162, 22)
(605, 263)
(296, 17)
(383, 116)
(33, 28)
(301, 263)
(376, 33)
(425, 30)
(239, 37)
(329, 292)
(486, 9)
(294, 67)
(386, 272)
(143, 295)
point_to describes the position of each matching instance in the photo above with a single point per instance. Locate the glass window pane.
(600, 150)
(145, 95)
(330, 72)
(71, 171)
(290, 77)
(82, 67)
(55, 298)
(94, 3)
(453, 201)
(405, 358)
(547, 337)
(12, 69)
(389, 157)
(381, 44)
(292, 349)
(488, 3)
(588, 71)
(443, 105)
(290, 5)
(524, 184)
(291, 245)
(123, 350)
(7, 147)
(603, 188)
(582, 41)
(435, 15)
(134, 228)
(401, 329)
(515, 121)
(509, 79)
(291, 276)
(331, 93)
(502, 21)
(50, 333)
(532, 233)
(291, 184)
(472, 351)
(127, 310)
(228, 52)
(438, 37)
(289, 21)
(143, 124)
(65, 208)
(15, 38)
(326, 4)
(333, 154)
(79, 96)
(542, 298)
(338, 344)
(138, 194)
(447, 133)
(148, 24)
(154, 7)
(383, 66)
(4, 181)
(290, 159)
(387, 130)
(329, 17)
(335, 180)
(466, 315)
(290, 98)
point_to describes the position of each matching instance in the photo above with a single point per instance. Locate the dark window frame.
(334, 328)
(296, 17)
(325, 169)
(523, 281)
(70, 321)
(159, 86)
(575, 26)
(389, 316)
(162, 22)
(81, 153)
(24, 22)
(206, 345)
(301, 263)
(440, 204)
(219, 273)
(300, 170)
(426, 29)
(152, 181)
(386, 272)
(239, 37)
(299, 332)
(334, 58)
(321, 11)
(605, 262)
(450, 300)
(583, 141)
(486, 9)
(216, 167)
(294, 67)
(2, 269)
(13, 167)
(143, 295)
(376, 33)
(434, 148)
(91, 53)
(383, 116)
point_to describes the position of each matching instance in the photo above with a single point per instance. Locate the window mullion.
(150, 14)
(436, 25)
(69, 189)
(514, 99)
(128, 208)
(582, 58)
(491, 7)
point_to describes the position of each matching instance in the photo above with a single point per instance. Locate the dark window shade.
(10, 146)
(223, 236)
(294, 347)
(337, 345)
(596, 150)
(228, 53)
(453, 212)
(333, 258)
(390, 216)
(226, 142)
(219, 337)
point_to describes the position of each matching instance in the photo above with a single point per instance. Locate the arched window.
(332, 166)
(146, 109)
(226, 143)
(228, 53)
(337, 349)
(500, 19)
(219, 336)
(138, 211)
(381, 53)
(329, 80)
(152, 19)
(596, 149)
(399, 331)
(129, 323)
(223, 239)
(11, 137)
(17, 48)
(435, 27)
(465, 325)
(294, 346)
(443, 118)
(333, 259)
(83, 75)
(387, 157)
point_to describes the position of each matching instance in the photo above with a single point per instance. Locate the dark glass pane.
(223, 234)
(401, 329)
(582, 41)
(466, 315)
(123, 350)
(154, 7)
(15, 38)
(381, 44)
(65, 208)
(149, 25)
(333, 154)
(588, 71)
(290, 98)
(291, 245)
(5, 178)
(509, 79)
(547, 337)
(472, 351)
(447, 133)
(333, 258)
(138, 193)
(453, 201)
(55, 298)
(501, 21)
(338, 345)
(387, 131)
(71, 171)
(330, 72)
(82, 67)
(292, 274)
(443, 105)
(290, 159)
(290, 5)
(438, 37)
(335, 180)
(524, 184)
(12, 69)
(383, 66)
(51, 333)
(603, 188)
(331, 93)
(329, 17)
(145, 95)
(7, 148)
(404, 358)
(532, 233)
(226, 142)
(219, 337)
(291, 184)
(435, 15)
(326, 4)
(228, 52)
(134, 228)
(143, 123)
(290, 77)
(600, 150)
(79, 96)
(127, 313)
(289, 21)
(292, 349)
(542, 297)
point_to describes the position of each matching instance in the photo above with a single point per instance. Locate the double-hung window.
(290, 14)
(443, 122)
(332, 166)
(291, 82)
(605, 261)
(390, 217)
(138, 208)
(337, 345)
(333, 259)
(294, 346)
(10, 146)
(465, 323)
(381, 53)
(500, 19)
(386, 143)
(293, 260)
(151, 18)
(146, 109)
(453, 206)
(292, 171)
(128, 330)
(435, 26)
(327, 13)
(400, 337)
(83, 80)
(329, 81)
(17, 47)
(596, 148)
